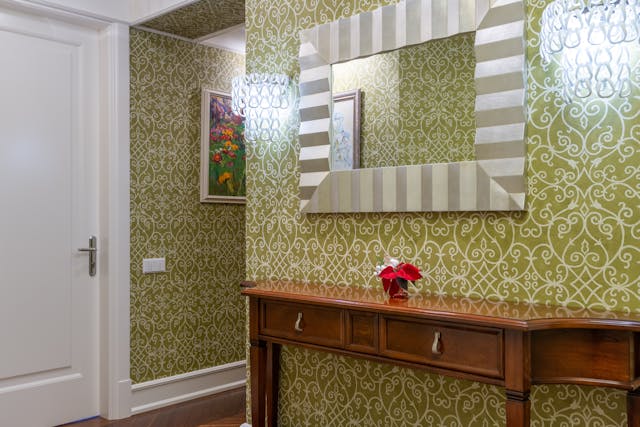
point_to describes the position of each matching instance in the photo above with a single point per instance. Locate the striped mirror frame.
(495, 181)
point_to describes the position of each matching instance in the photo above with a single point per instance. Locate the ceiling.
(217, 23)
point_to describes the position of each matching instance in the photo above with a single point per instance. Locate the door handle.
(93, 254)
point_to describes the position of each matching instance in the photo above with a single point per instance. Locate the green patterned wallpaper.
(191, 317)
(200, 18)
(378, 78)
(576, 245)
(417, 102)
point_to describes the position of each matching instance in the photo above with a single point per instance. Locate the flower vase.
(396, 288)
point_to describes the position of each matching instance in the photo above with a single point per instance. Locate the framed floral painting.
(345, 149)
(223, 155)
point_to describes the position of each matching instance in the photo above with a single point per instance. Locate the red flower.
(403, 271)
(409, 272)
(394, 280)
(217, 158)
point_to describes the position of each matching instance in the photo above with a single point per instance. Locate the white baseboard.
(156, 394)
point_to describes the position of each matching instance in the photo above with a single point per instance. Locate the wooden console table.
(507, 344)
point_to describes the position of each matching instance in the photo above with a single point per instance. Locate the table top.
(507, 314)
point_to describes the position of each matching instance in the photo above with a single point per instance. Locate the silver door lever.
(93, 254)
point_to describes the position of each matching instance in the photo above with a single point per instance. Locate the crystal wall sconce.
(263, 100)
(591, 40)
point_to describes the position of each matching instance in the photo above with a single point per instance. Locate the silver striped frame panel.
(495, 181)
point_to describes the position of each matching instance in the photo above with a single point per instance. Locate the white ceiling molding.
(232, 39)
(128, 12)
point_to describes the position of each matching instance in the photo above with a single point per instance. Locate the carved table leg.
(272, 377)
(518, 377)
(633, 408)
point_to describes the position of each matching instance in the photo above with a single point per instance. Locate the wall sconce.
(263, 100)
(591, 37)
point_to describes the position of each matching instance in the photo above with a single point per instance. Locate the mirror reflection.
(417, 103)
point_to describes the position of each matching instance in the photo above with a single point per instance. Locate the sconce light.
(592, 38)
(262, 99)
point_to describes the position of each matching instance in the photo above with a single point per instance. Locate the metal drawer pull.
(297, 326)
(435, 348)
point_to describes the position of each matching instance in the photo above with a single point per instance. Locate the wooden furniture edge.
(250, 288)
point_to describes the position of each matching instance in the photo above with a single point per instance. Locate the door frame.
(114, 320)
(114, 382)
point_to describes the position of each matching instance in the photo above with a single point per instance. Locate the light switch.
(153, 265)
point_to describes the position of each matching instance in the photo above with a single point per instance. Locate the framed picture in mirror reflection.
(345, 147)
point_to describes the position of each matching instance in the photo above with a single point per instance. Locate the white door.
(48, 208)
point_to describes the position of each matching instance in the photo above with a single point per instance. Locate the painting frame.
(346, 104)
(222, 149)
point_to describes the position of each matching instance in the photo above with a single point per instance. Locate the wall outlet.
(153, 265)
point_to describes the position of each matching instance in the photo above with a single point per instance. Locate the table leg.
(272, 383)
(518, 377)
(633, 408)
(258, 355)
(518, 409)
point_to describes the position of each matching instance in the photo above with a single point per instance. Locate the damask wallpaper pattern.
(200, 18)
(378, 78)
(417, 102)
(576, 245)
(192, 316)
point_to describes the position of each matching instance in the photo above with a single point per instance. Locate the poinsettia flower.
(396, 275)
(388, 273)
(403, 271)
(408, 272)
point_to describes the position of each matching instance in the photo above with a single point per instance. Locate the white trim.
(164, 33)
(129, 12)
(167, 391)
(219, 32)
(232, 39)
(49, 11)
(115, 391)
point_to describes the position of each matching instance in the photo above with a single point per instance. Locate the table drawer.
(475, 350)
(303, 323)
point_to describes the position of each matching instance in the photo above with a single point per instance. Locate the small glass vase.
(396, 288)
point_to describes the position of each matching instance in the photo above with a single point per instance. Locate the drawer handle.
(297, 326)
(435, 348)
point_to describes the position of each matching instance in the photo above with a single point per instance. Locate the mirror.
(417, 103)
(495, 180)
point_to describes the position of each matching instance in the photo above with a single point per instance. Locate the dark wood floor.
(220, 410)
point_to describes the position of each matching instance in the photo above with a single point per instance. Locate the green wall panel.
(576, 245)
(191, 317)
